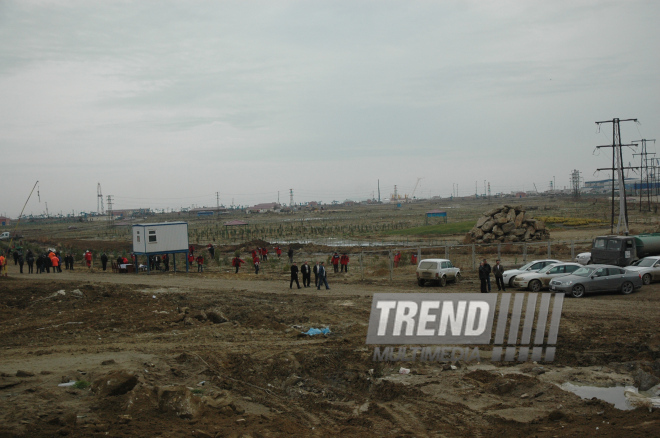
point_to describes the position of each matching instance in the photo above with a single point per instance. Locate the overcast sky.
(165, 103)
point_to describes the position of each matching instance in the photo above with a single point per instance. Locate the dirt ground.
(218, 354)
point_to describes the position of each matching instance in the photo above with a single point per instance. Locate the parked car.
(648, 268)
(535, 281)
(584, 258)
(438, 271)
(5, 236)
(533, 266)
(597, 278)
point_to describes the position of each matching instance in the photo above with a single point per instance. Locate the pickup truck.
(6, 236)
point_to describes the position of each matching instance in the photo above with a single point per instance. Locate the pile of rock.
(507, 224)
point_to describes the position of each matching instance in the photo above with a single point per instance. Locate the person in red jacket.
(191, 259)
(344, 263)
(88, 258)
(413, 258)
(264, 254)
(236, 262)
(335, 262)
(278, 251)
(397, 259)
(200, 263)
(256, 262)
(254, 253)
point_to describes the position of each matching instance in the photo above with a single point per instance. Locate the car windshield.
(600, 243)
(646, 263)
(546, 269)
(428, 265)
(583, 272)
(525, 267)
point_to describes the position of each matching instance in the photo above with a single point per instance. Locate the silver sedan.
(648, 268)
(535, 281)
(597, 278)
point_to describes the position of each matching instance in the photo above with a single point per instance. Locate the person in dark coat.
(316, 273)
(323, 277)
(307, 274)
(290, 254)
(166, 261)
(498, 271)
(104, 261)
(488, 271)
(30, 261)
(483, 275)
(294, 276)
(15, 257)
(21, 261)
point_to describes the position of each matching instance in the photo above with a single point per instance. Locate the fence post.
(499, 250)
(549, 251)
(361, 270)
(474, 257)
(572, 250)
(524, 252)
(389, 256)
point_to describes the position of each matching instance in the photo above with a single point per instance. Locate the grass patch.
(570, 221)
(430, 230)
(82, 384)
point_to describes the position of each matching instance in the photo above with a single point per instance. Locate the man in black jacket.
(316, 273)
(488, 271)
(323, 277)
(483, 275)
(294, 276)
(498, 271)
(104, 260)
(307, 274)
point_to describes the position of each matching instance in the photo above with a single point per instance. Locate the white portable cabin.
(162, 238)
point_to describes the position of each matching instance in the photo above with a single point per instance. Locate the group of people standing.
(320, 275)
(484, 275)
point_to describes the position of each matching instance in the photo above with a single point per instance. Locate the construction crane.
(412, 195)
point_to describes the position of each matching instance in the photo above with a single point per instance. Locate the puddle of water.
(614, 395)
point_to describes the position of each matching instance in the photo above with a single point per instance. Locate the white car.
(437, 271)
(648, 268)
(584, 258)
(535, 281)
(533, 266)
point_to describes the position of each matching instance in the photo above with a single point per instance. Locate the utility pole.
(99, 200)
(291, 199)
(379, 191)
(575, 184)
(617, 165)
(217, 201)
(644, 172)
(112, 216)
(488, 191)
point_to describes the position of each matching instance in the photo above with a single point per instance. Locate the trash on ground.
(315, 331)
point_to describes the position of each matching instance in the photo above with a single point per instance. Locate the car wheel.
(589, 262)
(577, 291)
(627, 288)
(443, 281)
(420, 282)
(511, 281)
(646, 279)
(458, 277)
(535, 285)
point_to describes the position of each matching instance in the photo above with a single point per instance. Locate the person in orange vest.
(335, 262)
(344, 263)
(88, 258)
(3, 265)
(200, 263)
(55, 263)
(413, 258)
(236, 263)
(397, 259)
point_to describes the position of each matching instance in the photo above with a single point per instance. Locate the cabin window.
(152, 236)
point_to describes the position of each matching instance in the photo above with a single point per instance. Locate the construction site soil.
(218, 354)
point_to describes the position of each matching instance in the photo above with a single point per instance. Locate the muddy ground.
(218, 354)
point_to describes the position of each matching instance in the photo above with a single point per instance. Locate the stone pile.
(507, 224)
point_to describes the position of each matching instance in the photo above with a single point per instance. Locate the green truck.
(624, 250)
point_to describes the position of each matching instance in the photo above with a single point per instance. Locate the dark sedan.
(597, 278)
